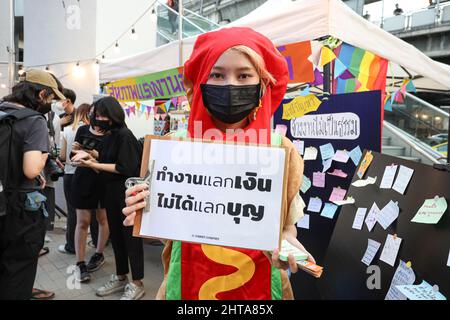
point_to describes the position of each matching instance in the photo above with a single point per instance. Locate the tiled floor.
(55, 270)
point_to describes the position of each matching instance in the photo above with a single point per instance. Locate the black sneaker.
(96, 261)
(82, 274)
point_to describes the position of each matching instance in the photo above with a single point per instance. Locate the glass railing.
(421, 120)
(168, 20)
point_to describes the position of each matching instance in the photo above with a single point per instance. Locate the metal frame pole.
(12, 47)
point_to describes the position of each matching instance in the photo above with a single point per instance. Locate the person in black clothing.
(86, 195)
(66, 118)
(398, 11)
(118, 160)
(22, 226)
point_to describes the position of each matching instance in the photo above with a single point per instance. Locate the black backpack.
(11, 154)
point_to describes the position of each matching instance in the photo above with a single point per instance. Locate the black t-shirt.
(122, 148)
(32, 134)
(89, 140)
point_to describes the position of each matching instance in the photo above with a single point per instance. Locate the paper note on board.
(341, 156)
(337, 194)
(388, 214)
(390, 249)
(306, 184)
(355, 155)
(365, 182)
(371, 218)
(371, 251)
(403, 177)
(338, 173)
(359, 218)
(299, 145)
(423, 291)
(329, 210)
(349, 200)
(431, 211)
(388, 177)
(404, 275)
(326, 164)
(304, 222)
(365, 163)
(326, 151)
(315, 204)
(310, 154)
(319, 179)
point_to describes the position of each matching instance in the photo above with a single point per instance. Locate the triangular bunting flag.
(346, 75)
(127, 110)
(399, 97)
(327, 56)
(388, 103)
(410, 87)
(163, 116)
(305, 91)
(318, 78)
(339, 68)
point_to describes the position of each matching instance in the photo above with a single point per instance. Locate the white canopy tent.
(287, 21)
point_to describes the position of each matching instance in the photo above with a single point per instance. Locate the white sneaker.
(62, 249)
(133, 292)
(112, 286)
(47, 239)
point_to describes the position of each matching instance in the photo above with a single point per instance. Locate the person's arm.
(33, 163)
(63, 154)
(108, 167)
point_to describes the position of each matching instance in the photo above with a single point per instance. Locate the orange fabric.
(207, 50)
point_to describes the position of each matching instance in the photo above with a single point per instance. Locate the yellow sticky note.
(327, 56)
(300, 106)
(365, 163)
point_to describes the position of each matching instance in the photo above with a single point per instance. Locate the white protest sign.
(215, 193)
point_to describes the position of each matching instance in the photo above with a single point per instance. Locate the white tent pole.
(180, 32)
(12, 46)
(382, 13)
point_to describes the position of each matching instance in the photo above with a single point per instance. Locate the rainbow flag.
(368, 69)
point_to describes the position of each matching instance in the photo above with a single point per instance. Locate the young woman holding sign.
(235, 80)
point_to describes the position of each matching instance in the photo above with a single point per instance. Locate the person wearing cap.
(22, 226)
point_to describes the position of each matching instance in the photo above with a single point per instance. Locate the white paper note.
(315, 204)
(326, 164)
(390, 249)
(388, 177)
(348, 200)
(359, 218)
(304, 222)
(388, 214)
(371, 218)
(371, 251)
(299, 145)
(403, 178)
(404, 275)
(365, 182)
(310, 154)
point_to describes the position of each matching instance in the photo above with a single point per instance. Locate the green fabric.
(276, 139)
(276, 286)
(173, 287)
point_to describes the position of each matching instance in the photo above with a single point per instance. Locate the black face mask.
(102, 124)
(230, 104)
(44, 107)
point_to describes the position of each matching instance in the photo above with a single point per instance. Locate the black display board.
(365, 106)
(425, 245)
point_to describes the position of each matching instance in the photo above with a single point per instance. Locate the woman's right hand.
(134, 200)
(76, 146)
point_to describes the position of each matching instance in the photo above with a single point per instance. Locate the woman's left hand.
(291, 263)
(89, 163)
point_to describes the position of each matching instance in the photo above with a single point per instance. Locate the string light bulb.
(3, 86)
(153, 17)
(134, 35)
(78, 71)
(117, 48)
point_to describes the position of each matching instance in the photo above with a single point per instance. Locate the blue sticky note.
(329, 210)
(306, 184)
(327, 151)
(355, 155)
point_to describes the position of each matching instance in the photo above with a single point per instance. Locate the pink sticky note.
(341, 156)
(319, 179)
(338, 173)
(338, 194)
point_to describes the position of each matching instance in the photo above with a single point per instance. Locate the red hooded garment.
(207, 50)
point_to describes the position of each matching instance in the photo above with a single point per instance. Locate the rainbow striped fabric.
(369, 70)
